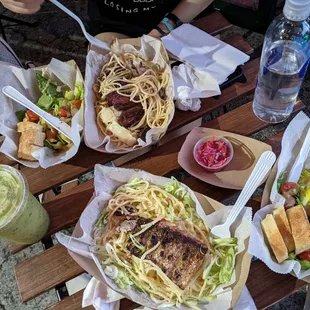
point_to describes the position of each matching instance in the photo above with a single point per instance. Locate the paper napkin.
(207, 64)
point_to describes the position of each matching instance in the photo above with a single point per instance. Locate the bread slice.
(300, 228)
(32, 136)
(274, 238)
(23, 126)
(25, 151)
(280, 217)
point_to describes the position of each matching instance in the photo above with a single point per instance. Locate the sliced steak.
(131, 117)
(119, 102)
(179, 256)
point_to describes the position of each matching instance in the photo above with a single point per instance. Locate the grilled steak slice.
(119, 102)
(131, 117)
(178, 255)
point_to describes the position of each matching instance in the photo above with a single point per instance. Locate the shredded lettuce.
(102, 219)
(228, 265)
(78, 91)
(137, 244)
(178, 191)
(304, 194)
(137, 183)
(280, 182)
(304, 191)
(69, 95)
(54, 145)
(221, 267)
(304, 178)
(123, 281)
(305, 264)
(63, 139)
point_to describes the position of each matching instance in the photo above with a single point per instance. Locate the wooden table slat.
(237, 41)
(45, 271)
(213, 24)
(73, 302)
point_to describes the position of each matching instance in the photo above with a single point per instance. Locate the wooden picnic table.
(54, 266)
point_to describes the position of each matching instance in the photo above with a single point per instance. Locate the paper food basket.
(148, 48)
(25, 81)
(292, 142)
(209, 210)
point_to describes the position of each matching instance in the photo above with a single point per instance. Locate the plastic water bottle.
(284, 63)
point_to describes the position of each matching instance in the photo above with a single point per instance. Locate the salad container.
(31, 84)
(281, 191)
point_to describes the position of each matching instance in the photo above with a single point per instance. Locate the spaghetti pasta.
(133, 96)
(139, 207)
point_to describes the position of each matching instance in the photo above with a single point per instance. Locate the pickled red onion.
(213, 154)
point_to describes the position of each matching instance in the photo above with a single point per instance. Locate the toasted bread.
(284, 228)
(274, 238)
(300, 228)
(32, 136)
(23, 126)
(25, 151)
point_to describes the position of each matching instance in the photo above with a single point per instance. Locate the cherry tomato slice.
(77, 104)
(63, 112)
(51, 134)
(32, 117)
(305, 255)
(287, 186)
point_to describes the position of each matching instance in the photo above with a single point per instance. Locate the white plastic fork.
(55, 122)
(92, 40)
(263, 166)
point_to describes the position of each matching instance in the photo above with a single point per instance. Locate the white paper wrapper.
(150, 50)
(292, 142)
(207, 64)
(258, 247)
(102, 297)
(190, 84)
(107, 180)
(25, 81)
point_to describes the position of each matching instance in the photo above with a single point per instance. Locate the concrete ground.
(59, 36)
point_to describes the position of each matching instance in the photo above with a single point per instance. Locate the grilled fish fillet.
(179, 255)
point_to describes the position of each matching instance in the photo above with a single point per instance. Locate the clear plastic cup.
(23, 219)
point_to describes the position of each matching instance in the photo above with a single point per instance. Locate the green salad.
(58, 100)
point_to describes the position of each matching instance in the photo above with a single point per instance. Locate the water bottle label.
(303, 70)
(275, 56)
(289, 109)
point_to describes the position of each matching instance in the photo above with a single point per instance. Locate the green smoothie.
(22, 218)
